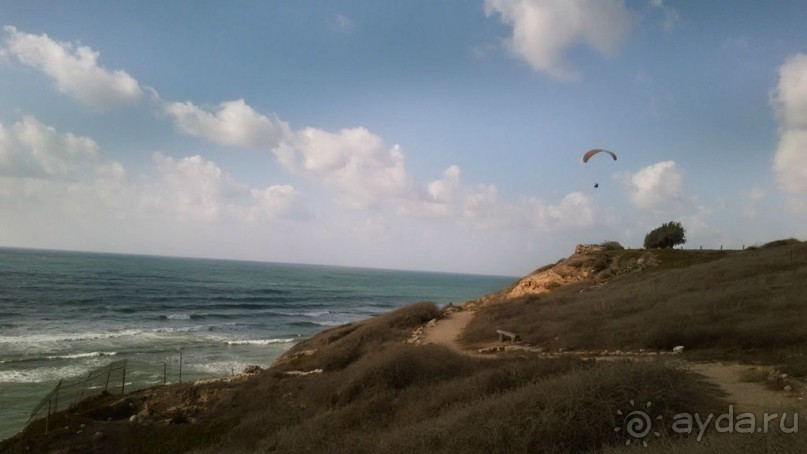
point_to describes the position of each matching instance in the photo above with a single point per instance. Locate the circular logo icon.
(637, 423)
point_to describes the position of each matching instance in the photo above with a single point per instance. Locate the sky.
(439, 136)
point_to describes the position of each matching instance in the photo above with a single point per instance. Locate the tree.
(666, 236)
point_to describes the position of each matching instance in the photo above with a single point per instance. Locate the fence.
(111, 378)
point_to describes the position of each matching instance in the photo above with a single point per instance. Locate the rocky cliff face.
(590, 262)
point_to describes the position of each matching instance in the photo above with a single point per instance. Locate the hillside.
(373, 386)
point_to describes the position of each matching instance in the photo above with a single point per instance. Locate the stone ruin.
(583, 249)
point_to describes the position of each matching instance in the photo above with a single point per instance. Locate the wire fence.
(114, 378)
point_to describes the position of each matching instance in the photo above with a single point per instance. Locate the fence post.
(108, 373)
(180, 367)
(123, 380)
(56, 397)
(165, 373)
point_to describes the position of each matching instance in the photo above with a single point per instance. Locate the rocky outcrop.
(590, 262)
(584, 249)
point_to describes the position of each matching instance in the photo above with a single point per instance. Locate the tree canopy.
(666, 236)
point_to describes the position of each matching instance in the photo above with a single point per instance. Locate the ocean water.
(63, 314)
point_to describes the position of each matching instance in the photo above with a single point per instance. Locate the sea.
(63, 314)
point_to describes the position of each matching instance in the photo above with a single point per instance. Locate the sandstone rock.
(304, 372)
(583, 249)
(252, 369)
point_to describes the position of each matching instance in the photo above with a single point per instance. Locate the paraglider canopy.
(591, 153)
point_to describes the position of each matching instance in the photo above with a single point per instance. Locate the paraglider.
(593, 152)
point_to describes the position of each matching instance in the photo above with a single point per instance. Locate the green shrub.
(611, 246)
(666, 236)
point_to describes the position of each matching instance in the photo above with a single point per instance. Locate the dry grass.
(429, 399)
(737, 304)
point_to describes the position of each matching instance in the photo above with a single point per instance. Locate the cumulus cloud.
(443, 190)
(363, 172)
(277, 201)
(658, 188)
(32, 149)
(575, 210)
(74, 69)
(790, 101)
(48, 172)
(45, 171)
(232, 123)
(354, 162)
(480, 207)
(543, 30)
(192, 187)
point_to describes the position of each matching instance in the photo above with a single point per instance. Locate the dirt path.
(447, 330)
(747, 396)
(754, 397)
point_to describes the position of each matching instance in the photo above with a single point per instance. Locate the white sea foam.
(82, 355)
(68, 337)
(42, 374)
(316, 313)
(329, 323)
(40, 340)
(179, 316)
(220, 368)
(259, 341)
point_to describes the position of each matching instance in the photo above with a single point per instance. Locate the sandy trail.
(746, 396)
(447, 330)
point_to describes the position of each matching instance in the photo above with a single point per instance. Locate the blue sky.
(410, 134)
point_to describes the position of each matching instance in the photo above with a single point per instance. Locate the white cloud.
(575, 210)
(363, 172)
(234, 123)
(443, 190)
(277, 201)
(194, 188)
(543, 30)
(480, 207)
(790, 102)
(61, 174)
(354, 162)
(44, 171)
(32, 149)
(74, 68)
(658, 188)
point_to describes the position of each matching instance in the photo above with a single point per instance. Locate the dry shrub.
(338, 347)
(779, 243)
(575, 412)
(400, 366)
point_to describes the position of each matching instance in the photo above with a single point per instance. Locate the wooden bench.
(513, 336)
